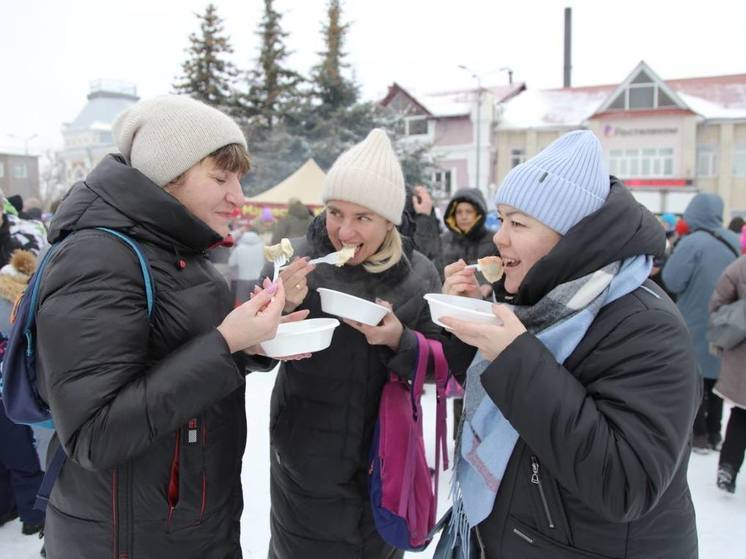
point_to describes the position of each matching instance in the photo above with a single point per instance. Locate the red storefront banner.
(669, 183)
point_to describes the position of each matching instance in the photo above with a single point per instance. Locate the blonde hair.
(389, 254)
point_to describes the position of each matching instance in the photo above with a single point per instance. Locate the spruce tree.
(207, 76)
(273, 88)
(330, 87)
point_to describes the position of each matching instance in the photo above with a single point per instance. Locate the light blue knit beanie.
(562, 184)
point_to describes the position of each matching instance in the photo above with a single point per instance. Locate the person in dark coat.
(691, 272)
(150, 411)
(20, 471)
(579, 406)
(467, 237)
(294, 224)
(324, 409)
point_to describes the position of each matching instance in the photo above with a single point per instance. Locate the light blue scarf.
(486, 441)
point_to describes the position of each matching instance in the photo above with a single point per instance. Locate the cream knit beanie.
(368, 174)
(164, 136)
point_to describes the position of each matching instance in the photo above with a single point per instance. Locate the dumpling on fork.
(346, 253)
(491, 268)
(273, 252)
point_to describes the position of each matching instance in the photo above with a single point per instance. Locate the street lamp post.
(25, 140)
(479, 115)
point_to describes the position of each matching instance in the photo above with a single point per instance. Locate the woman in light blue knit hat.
(579, 404)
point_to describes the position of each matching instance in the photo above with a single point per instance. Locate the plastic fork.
(330, 258)
(278, 262)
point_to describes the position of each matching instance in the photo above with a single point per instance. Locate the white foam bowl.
(463, 308)
(304, 336)
(351, 307)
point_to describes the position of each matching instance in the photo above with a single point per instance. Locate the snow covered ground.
(721, 518)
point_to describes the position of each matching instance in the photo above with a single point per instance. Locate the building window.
(635, 163)
(415, 126)
(442, 183)
(517, 156)
(739, 161)
(642, 93)
(707, 161)
(20, 171)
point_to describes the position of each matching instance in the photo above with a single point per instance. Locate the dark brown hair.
(232, 158)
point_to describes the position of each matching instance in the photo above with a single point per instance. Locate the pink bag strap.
(426, 349)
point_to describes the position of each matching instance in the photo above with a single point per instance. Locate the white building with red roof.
(667, 139)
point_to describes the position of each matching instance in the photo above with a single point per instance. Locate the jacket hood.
(117, 196)
(705, 211)
(297, 209)
(474, 197)
(622, 228)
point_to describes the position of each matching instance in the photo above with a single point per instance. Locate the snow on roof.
(714, 97)
(711, 111)
(551, 108)
(727, 91)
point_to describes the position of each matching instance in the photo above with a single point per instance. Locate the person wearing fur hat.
(20, 471)
(150, 409)
(324, 409)
(578, 407)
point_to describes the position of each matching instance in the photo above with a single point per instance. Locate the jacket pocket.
(187, 485)
(547, 503)
(528, 543)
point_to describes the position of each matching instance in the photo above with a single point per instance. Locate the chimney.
(568, 47)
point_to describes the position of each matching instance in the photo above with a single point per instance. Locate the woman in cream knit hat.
(324, 408)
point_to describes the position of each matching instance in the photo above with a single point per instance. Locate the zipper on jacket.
(536, 480)
(480, 542)
(173, 480)
(520, 534)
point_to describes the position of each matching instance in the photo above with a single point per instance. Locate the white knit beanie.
(562, 184)
(164, 136)
(368, 174)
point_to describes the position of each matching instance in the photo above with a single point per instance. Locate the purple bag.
(402, 488)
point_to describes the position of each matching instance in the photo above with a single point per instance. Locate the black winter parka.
(150, 412)
(324, 409)
(600, 467)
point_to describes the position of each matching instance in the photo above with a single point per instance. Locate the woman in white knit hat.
(579, 406)
(324, 408)
(150, 408)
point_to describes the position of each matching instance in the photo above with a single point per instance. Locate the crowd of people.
(589, 368)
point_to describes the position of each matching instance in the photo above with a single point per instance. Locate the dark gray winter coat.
(324, 409)
(476, 243)
(600, 467)
(151, 414)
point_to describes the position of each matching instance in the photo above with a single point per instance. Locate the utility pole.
(25, 140)
(478, 126)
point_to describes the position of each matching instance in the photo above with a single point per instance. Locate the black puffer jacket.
(477, 242)
(324, 410)
(151, 415)
(600, 467)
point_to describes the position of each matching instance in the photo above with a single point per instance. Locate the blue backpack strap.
(50, 476)
(144, 266)
(55, 466)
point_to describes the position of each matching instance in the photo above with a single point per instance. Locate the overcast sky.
(52, 49)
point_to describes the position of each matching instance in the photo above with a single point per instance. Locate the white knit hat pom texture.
(561, 185)
(369, 174)
(165, 136)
